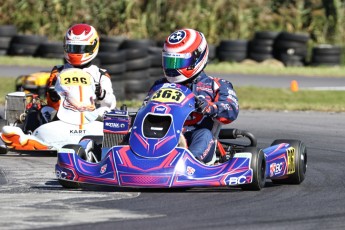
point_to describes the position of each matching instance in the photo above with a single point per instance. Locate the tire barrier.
(50, 49)
(111, 58)
(326, 55)
(232, 50)
(141, 57)
(6, 34)
(261, 46)
(25, 45)
(291, 49)
(135, 64)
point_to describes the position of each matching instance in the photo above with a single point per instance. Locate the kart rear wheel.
(300, 162)
(3, 148)
(258, 164)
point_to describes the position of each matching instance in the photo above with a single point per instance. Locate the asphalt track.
(31, 197)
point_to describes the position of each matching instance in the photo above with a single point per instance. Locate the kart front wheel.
(80, 152)
(300, 162)
(258, 164)
(69, 184)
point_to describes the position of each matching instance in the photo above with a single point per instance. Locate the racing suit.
(219, 105)
(105, 97)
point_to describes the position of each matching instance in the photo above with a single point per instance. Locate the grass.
(284, 99)
(29, 61)
(7, 85)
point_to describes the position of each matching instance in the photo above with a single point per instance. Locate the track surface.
(31, 197)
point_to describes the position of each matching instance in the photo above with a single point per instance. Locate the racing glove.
(100, 94)
(204, 107)
(54, 96)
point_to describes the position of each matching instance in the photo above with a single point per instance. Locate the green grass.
(29, 61)
(284, 99)
(7, 85)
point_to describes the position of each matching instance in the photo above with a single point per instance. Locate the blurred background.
(293, 32)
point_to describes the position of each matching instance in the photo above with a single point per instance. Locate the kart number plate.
(168, 95)
(71, 78)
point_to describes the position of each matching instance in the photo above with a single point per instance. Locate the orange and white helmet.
(81, 44)
(185, 55)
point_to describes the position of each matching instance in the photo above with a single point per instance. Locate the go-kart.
(155, 155)
(26, 129)
(34, 83)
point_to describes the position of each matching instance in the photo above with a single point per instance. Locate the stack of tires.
(50, 49)
(232, 50)
(327, 55)
(25, 45)
(156, 69)
(138, 62)
(212, 52)
(291, 48)
(261, 47)
(6, 34)
(114, 61)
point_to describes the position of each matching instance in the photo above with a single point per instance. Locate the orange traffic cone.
(294, 86)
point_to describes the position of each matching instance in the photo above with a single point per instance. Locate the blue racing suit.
(219, 105)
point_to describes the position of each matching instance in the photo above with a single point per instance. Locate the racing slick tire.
(300, 162)
(258, 164)
(3, 147)
(71, 184)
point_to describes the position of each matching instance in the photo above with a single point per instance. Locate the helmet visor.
(177, 61)
(80, 49)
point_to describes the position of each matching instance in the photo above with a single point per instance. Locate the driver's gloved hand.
(100, 94)
(203, 106)
(54, 96)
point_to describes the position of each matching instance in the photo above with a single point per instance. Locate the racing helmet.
(81, 44)
(185, 55)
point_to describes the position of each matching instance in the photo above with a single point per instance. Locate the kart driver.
(81, 44)
(185, 55)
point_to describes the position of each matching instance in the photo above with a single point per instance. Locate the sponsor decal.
(243, 155)
(103, 169)
(177, 37)
(169, 85)
(114, 125)
(61, 174)
(160, 109)
(190, 170)
(237, 180)
(119, 113)
(77, 132)
(276, 168)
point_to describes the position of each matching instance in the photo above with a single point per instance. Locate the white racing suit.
(105, 98)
